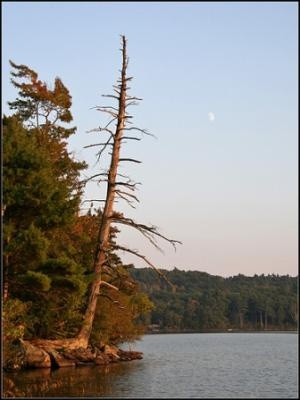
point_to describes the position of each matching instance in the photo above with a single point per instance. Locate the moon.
(211, 116)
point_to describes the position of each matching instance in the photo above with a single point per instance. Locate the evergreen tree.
(41, 196)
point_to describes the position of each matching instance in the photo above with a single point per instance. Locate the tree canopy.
(203, 302)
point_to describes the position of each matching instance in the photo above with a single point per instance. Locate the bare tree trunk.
(261, 319)
(109, 215)
(241, 317)
(103, 238)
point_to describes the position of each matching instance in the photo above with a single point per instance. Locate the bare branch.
(99, 129)
(145, 232)
(125, 80)
(144, 131)
(111, 96)
(123, 176)
(104, 147)
(130, 160)
(106, 107)
(108, 285)
(130, 203)
(91, 200)
(148, 231)
(130, 186)
(129, 98)
(97, 144)
(115, 302)
(127, 194)
(113, 114)
(117, 247)
(130, 138)
(94, 176)
(132, 103)
(109, 122)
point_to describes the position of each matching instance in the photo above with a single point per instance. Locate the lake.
(199, 365)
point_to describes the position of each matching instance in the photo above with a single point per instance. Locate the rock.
(102, 359)
(46, 354)
(129, 355)
(58, 360)
(112, 352)
(80, 356)
(69, 354)
(34, 356)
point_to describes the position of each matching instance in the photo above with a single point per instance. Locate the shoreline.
(221, 331)
(28, 356)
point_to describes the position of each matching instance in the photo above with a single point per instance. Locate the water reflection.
(87, 381)
(178, 366)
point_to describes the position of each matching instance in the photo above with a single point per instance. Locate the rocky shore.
(27, 355)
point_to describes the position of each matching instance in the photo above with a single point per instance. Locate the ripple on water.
(182, 366)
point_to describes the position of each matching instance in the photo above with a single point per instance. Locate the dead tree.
(118, 187)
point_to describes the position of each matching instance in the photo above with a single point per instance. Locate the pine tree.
(41, 197)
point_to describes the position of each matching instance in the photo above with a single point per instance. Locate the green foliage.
(37, 281)
(207, 302)
(39, 105)
(14, 316)
(60, 266)
(73, 283)
(116, 319)
(34, 244)
(121, 316)
(41, 196)
(14, 322)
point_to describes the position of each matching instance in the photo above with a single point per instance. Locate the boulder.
(112, 353)
(34, 356)
(58, 360)
(102, 359)
(79, 356)
(129, 355)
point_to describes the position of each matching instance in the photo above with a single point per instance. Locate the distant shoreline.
(222, 331)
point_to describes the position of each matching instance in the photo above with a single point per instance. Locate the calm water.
(206, 365)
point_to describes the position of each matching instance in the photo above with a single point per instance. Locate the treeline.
(48, 244)
(201, 301)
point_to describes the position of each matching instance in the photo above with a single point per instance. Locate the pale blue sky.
(226, 188)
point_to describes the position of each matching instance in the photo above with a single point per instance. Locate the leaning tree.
(118, 130)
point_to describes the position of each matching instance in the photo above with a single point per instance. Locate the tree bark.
(103, 237)
(261, 319)
(241, 317)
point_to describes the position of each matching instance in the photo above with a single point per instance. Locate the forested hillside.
(206, 302)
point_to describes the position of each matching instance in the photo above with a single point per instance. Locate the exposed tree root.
(56, 344)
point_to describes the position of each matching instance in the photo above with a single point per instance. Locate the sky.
(219, 87)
